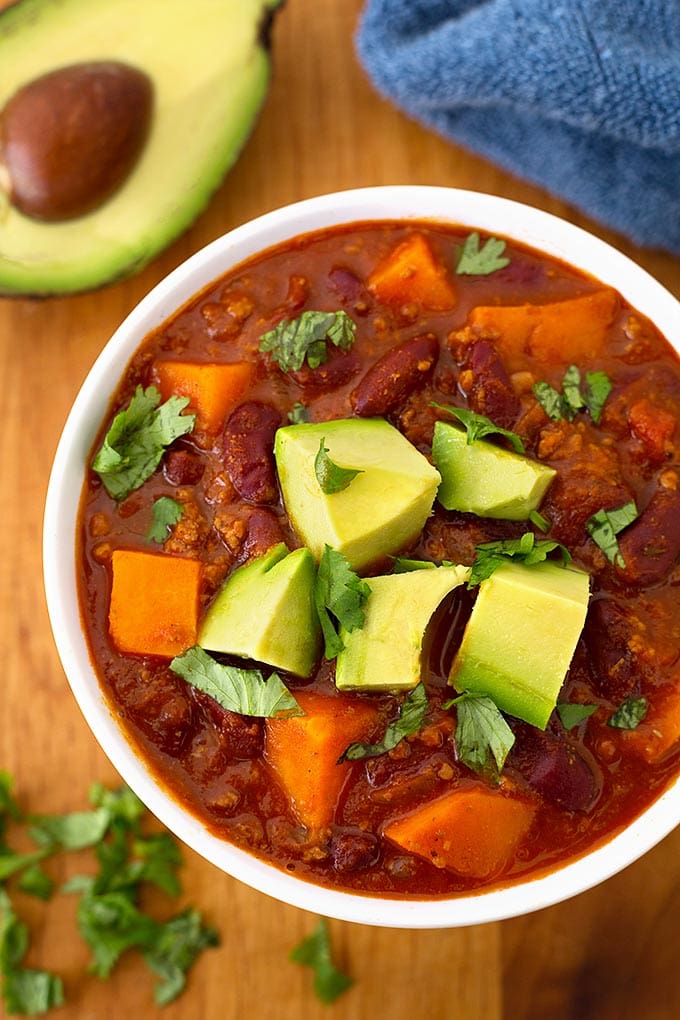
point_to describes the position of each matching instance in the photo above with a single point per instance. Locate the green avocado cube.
(265, 611)
(381, 510)
(521, 637)
(386, 653)
(484, 479)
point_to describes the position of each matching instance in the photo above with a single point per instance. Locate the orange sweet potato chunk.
(154, 602)
(213, 390)
(561, 332)
(411, 275)
(472, 830)
(303, 752)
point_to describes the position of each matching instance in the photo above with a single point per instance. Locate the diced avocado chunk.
(386, 653)
(484, 479)
(380, 511)
(265, 611)
(521, 637)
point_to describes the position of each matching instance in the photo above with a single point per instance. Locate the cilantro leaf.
(315, 952)
(166, 513)
(238, 690)
(598, 388)
(605, 525)
(138, 436)
(550, 399)
(110, 923)
(175, 946)
(11, 862)
(483, 738)
(409, 720)
(24, 990)
(539, 521)
(478, 426)
(331, 477)
(123, 805)
(73, 831)
(629, 714)
(8, 805)
(340, 592)
(293, 340)
(299, 414)
(571, 714)
(403, 565)
(526, 549)
(36, 882)
(476, 261)
(574, 398)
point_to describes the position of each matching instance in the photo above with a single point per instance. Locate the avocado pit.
(70, 138)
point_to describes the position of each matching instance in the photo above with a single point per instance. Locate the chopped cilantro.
(315, 952)
(11, 863)
(526, 550)
(245, 691)
(478, 426)
(629, 714)
(403, 565)
(574, 397)
(539, 521)
(331, 477)
(483, 738)
(571, 714)
(166, 513)
(173, 950)
(409, 720)
(133, 446)
(36, 882)
(338, 593)
(25, 991)
(293, 340)
(73, 831)
(605, 525)
(299, 414)
(476, 261)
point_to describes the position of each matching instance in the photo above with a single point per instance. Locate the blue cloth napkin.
(579, 96)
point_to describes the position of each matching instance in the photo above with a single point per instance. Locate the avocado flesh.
(386, 653)
(265, 611)
(484, 479)
(380, 511)
(210, 74)
(521, 637)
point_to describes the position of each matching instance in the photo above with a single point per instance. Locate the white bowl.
(493, 215)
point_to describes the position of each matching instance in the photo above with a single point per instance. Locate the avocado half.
(209, 64)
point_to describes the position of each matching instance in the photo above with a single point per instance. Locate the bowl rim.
(476, 210)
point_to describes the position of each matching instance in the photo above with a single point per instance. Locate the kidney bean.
(395, 375)
(651, 545)
(264, 532)
(159, 703)
(491, 393)
(346, 285)
(338, 368)
(248, 451)
(183, 468)
(609, 632)
(353, 850)
(553, 766)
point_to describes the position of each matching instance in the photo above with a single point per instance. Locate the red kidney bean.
(395, 375)
(491, 393)
(241, 737)
(353, 851)
(248, 451)
(183, 468)
(554, 767)
(651, 545)
(610, 626)
(346, 285)
(161, 706)
(338, 368)
(264, 532)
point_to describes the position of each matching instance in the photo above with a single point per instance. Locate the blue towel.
(579, 96)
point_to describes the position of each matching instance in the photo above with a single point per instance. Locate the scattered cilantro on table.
(339, 595)
(307, 337)
(137, 439)
(476, 261)
(412, 712)
(245, 691)
(478, 425)
(109, 915)
(315, 952)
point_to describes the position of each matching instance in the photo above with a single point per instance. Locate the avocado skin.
(209, 63)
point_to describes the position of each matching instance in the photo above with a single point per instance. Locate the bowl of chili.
(303, 696)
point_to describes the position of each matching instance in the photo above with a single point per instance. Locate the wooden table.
(609, 954)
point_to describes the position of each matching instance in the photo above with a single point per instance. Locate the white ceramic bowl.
(489, 214)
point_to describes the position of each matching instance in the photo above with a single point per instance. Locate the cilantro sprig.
(332, 477)
(476, 261)
(572, 714)
(478, 425)
(409, 720)
(137, 439)
(605, 525)
(166, 513)
(629, 714)
(339, 597)
(315, 952)
(245, 691)
(526, 549)
(483, 738)
(307, 337)
(574, 397)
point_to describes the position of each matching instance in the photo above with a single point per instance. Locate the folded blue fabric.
(580, 96)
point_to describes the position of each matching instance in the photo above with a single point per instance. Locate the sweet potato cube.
(213, 390)
(472, 830)
(154, 602)
(659, 731)
(303, 752)
(561, 332)
(411, 275)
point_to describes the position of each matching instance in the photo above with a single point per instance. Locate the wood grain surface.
(609, 954)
